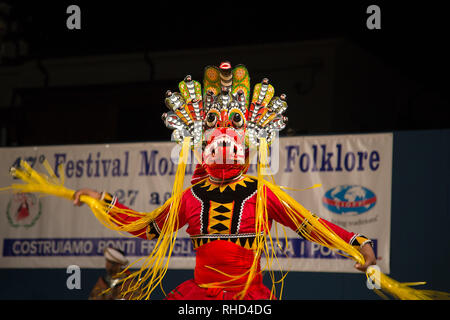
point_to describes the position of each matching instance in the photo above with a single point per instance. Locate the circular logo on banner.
(349, 198)
(23, 210)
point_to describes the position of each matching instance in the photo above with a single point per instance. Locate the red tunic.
(221, 223)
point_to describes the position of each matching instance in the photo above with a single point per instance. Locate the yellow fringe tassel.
(325, 236)
(154, 267)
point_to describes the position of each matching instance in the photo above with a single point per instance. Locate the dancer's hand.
(85, 192)
(369, 257)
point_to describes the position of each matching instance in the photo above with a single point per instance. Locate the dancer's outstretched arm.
(87, 192)
(125, 216)
(297, 222)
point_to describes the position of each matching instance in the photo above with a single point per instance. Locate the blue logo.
(349, 198)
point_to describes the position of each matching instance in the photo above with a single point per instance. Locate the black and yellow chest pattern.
(223, 205)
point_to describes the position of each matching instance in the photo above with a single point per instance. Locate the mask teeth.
(224, 141)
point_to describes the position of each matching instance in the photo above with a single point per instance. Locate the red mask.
(224, 119)
(224, 153)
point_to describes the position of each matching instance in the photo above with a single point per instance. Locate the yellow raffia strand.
(262, 221)
(261, 230)
(50, 184)
(316, 231)
(320, 233)
(402, 290)
(223, 284)
(39, 183)
(263, 242)
(155, 265)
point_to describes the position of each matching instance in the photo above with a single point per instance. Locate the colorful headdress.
(224, 89)
(224, 103)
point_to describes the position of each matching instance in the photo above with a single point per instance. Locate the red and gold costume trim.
(229, 222)
(221, 223)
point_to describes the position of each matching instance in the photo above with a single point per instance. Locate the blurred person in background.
(115, 263)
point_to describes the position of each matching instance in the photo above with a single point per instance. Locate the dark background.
(412, 42)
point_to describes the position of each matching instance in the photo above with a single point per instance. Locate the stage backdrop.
(44, 232)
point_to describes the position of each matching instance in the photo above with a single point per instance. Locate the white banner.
(45, 232)
(355, 173)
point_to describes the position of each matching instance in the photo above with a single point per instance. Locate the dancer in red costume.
(228, 213)
(219, 208)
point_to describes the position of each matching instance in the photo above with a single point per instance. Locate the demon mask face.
(221, 121)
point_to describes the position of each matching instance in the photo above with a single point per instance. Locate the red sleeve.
(277, 212)
(153, 229)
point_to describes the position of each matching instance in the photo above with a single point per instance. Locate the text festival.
(154, 163)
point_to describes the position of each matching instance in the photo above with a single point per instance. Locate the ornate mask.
(222, 121)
